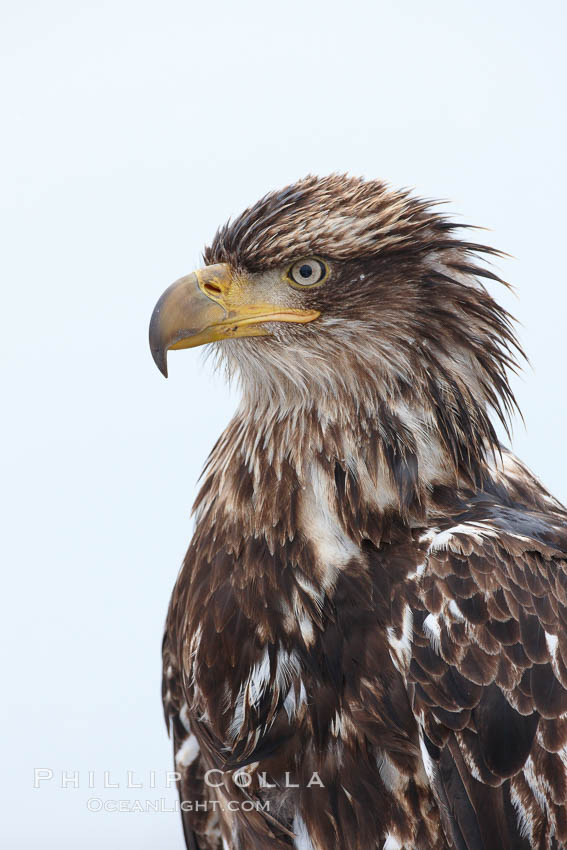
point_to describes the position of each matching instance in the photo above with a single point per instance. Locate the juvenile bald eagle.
(366, 646)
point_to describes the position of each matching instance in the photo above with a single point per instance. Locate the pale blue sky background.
(130, 131)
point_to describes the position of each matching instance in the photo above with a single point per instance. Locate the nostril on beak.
(212, 289)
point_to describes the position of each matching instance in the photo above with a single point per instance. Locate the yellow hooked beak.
(209, 305)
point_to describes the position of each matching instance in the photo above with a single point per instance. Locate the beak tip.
(160, 359)
(158, 347)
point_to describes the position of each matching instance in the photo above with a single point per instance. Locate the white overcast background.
(131, 130)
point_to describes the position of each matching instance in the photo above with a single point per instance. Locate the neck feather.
(381, 459)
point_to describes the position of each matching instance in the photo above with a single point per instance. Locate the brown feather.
(376, 590)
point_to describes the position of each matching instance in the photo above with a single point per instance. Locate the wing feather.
(489, 674)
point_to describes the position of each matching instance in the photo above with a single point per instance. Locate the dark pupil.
(305, 271)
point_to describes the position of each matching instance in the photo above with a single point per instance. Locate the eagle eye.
(308, 272)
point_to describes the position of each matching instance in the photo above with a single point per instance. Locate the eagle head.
(341, 293)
